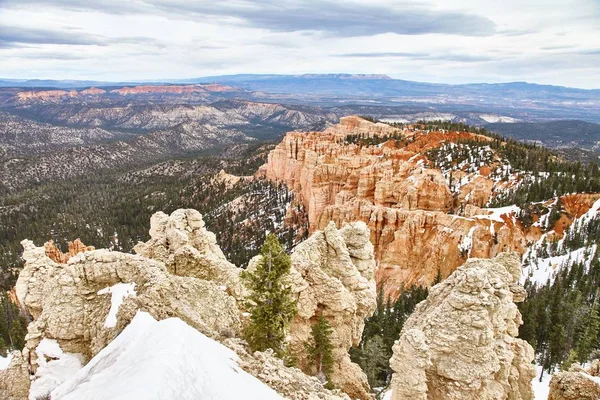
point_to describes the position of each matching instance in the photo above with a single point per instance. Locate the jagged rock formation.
(75, 247)
(404, 202)
(576, 384)
(332, 276)
(461, 342)
(186, 248)
(83, 304)
(424, 221)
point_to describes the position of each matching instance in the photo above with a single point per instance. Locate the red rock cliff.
(395, 190)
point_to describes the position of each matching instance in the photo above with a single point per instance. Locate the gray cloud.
(339, 19)
(11, 36)
(18, 37)
(420, 56)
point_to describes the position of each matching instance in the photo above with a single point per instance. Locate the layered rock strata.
(424, 221)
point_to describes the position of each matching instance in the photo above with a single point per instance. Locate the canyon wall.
(424, 221)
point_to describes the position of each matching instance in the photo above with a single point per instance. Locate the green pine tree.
(272, 304)
(589, 336)
(320, 350)
(573, 356)
(376, 361)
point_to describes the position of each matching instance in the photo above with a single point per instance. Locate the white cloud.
(454, 42)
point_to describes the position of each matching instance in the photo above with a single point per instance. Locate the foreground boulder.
(576, 384)
(461, 342)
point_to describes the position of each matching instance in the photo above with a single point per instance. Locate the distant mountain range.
(519, 101)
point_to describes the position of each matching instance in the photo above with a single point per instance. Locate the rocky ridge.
(461, 342)
(83, 301)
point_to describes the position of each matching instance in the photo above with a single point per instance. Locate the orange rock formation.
(75, 247)
(400, 196)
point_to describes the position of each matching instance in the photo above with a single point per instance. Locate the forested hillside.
(112, 210)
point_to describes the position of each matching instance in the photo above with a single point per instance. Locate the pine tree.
(376, 361)
(272, 305)
(573, 356)
(320, 349)
(589, 336)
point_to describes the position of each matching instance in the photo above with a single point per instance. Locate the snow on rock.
(5, 361)
(166, 359)
(495, 214)
(54, 367)
(493, 118)
(118, 293)
(466, 244)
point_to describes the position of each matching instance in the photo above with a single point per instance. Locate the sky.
(460, 41)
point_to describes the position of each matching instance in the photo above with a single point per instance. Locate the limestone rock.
(461, 342)
(14, 381)
(187, 248)
(72, 304)
(576, 384)
(180, 272)
(332, 275)
(289, 381)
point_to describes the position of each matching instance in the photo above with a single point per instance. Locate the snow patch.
(495, 214)
(118, 293)
(5, 361)
(54, 367)
(493, 118)
(168, 359)
(466, 243)
(541, 389)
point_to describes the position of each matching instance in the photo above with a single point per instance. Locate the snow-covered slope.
(168, 359)
(543, 260)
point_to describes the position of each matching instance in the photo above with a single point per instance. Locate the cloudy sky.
(459, 41)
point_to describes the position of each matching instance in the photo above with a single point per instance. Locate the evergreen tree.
(589, 336)
(320, 349)
(272, 305)
(375, 361)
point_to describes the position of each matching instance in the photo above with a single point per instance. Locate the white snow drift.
(168, 359)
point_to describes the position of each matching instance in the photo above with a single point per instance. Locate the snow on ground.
(492, 118)
(154, 360)
(545, 268)
(118, 293)
(54, 367)
(387, 395)
(5, 361)
(541, 389)
(496, 213)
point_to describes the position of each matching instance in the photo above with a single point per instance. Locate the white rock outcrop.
(332, 275)
(577, 383)
(83, 304)
(461, 342)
